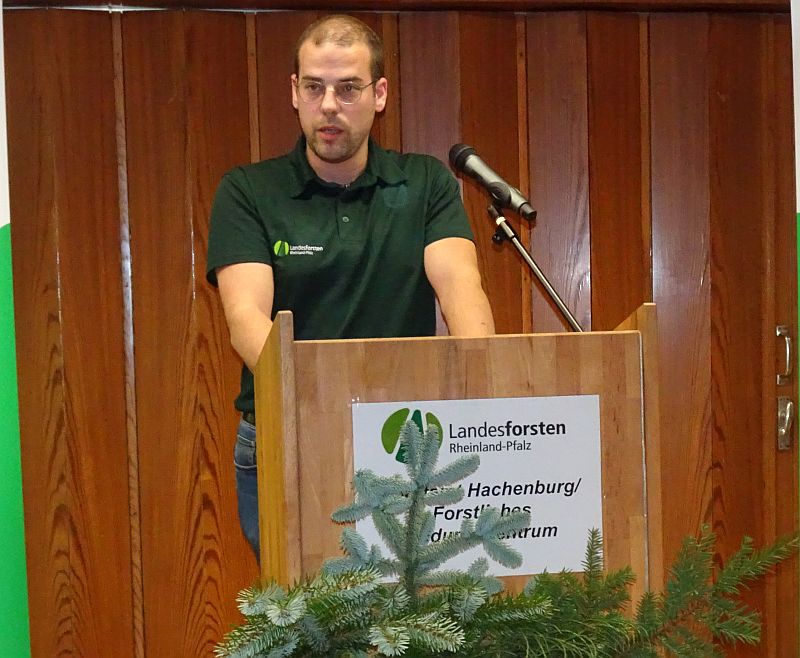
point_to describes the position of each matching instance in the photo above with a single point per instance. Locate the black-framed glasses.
(347, 92)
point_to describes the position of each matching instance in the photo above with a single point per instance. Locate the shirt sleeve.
(236, 233)
(446, 216)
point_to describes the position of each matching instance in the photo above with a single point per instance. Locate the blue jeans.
(244, 459)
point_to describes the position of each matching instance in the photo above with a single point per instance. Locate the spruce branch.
(349, 611)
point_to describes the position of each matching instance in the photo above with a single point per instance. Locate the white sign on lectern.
(538, 454)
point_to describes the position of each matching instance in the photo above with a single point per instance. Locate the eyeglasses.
(313, 91)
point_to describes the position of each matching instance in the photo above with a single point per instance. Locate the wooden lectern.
(304, 392)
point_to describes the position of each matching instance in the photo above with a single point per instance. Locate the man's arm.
(247, 291)
(451, 265)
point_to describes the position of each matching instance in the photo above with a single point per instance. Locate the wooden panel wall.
(186, 77)
(719, 138)
(653, 147)
(740, 155)
(558, 135)
(69, 311)
(490, 124)
(618, 165)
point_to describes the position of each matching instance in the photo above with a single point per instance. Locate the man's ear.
(381, 91)
(294, 90)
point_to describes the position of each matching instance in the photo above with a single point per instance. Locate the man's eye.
(347, 88)
(312, 87)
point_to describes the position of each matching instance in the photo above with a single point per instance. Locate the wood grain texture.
(768, 311)
(69, 325)
(620, 278)
(681, 266)
(278, 474)
(429, 82)
(380, 370)
(252, 87)
(559, 165)
(523, 170)
(132, 430)
(489, 124)
(718, 242)
(784, 485)
(186, 75)
(387, 129)
(645, 321)
(741, 167)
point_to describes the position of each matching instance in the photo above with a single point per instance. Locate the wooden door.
(724, 275)
(667, 140)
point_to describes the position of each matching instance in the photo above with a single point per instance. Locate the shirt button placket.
(344, 219)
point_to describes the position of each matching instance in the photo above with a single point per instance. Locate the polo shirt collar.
(380, 167)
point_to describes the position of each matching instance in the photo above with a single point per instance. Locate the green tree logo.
(281, 248)
(390, 432)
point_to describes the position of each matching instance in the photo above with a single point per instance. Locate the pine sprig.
(350, 611)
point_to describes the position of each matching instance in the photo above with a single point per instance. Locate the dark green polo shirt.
(347, 261)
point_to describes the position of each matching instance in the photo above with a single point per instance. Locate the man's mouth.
(330, 131)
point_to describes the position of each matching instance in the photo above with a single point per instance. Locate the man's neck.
(342, 173)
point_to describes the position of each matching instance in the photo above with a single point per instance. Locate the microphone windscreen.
(459, 154)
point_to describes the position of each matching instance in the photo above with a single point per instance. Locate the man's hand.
(451, 265)
(247, 291)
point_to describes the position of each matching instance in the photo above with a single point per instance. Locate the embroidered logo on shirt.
(305, 250)
(282, 248)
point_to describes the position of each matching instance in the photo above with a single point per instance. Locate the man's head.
(337, 88)
(342, 30)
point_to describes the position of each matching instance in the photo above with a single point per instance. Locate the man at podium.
(355, 240)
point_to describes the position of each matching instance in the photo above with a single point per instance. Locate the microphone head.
(459, 154)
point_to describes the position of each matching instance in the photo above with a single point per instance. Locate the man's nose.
(329, 102)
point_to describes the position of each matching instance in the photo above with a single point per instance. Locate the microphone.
(463, 158)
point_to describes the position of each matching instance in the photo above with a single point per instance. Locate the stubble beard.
(344, 148)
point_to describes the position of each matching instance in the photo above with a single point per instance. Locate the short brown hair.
(343, 30)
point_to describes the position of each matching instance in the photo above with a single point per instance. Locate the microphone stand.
(504, 231)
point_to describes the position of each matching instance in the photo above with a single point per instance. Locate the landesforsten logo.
(390, 432)
(281, 248)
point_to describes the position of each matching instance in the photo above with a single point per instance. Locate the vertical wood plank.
(681, 264)
(387, 129)
(489, 124)
(134, 494)
(741, 171)
(768, 311)
(252, 86)
(784, 487)
(645, 154)
(620, 278)
(430, 82)
(559, 165)
(38, 333)
(186, 75)
(68, 292)
(523, 170)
